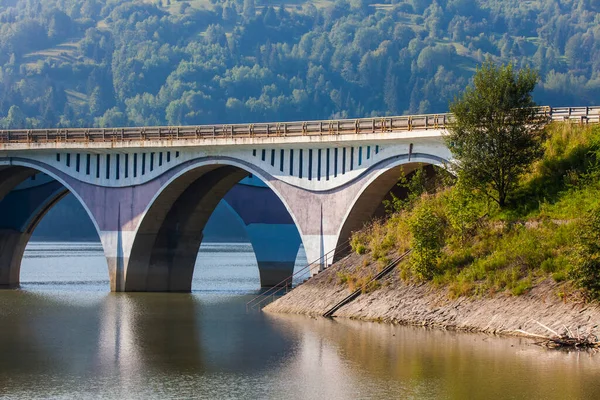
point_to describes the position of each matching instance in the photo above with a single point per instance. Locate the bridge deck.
(109, 137)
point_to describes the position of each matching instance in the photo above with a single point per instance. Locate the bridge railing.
(286, 285)
(270, 129)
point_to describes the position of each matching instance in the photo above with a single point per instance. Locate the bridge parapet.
(359, 126)
(233, 134)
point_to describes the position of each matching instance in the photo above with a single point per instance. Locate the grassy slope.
(508, 250)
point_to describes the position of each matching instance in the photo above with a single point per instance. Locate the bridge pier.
(12, 247)
(326, 219)
(270, 228)
(169, 232)
(276, 248)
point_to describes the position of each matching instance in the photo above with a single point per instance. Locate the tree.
(15, 118)
(585, 269)
(249, 10)
(96, 102)
(496, 133)
(112, 118)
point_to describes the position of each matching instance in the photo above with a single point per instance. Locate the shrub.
(427, 229)
(359, 240)
(586, 268)
(521, 287)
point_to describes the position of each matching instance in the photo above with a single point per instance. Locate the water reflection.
(65, 341)
(438, 364)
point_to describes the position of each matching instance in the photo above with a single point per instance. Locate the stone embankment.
(400, 302)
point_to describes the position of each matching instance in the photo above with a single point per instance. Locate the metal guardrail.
(386, 270)
(270, 129)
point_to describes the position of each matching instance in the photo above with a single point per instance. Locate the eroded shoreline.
(398, 302)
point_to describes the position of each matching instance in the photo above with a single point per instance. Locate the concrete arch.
(57, 175)
(22, 207)
(373, 191)
(167, 238)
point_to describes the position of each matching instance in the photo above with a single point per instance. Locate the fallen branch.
(564, 340)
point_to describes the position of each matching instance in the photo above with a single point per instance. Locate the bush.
(427, 228)
(586, 268)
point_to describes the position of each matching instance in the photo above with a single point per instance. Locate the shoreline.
(423, 304)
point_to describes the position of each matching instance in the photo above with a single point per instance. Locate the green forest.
(72, 63)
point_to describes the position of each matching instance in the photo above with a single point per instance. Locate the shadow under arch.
(374, 190)
(27, 193)
(168, 237)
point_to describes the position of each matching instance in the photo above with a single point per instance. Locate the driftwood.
(566, 340)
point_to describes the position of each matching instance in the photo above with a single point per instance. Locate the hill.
(90, 62)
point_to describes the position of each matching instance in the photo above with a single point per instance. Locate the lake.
(64, 335)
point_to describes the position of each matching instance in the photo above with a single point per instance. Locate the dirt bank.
(400, 302)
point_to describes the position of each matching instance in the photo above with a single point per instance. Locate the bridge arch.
(169, 233)
(376, 186)
(23, 204)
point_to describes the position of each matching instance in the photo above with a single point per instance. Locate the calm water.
(64, 336)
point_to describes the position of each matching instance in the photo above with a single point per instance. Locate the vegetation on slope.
(123, 62)
(549, 229)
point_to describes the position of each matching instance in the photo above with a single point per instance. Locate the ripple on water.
(65, 336)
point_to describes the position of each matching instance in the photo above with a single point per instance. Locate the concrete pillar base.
(12, 247)
(10, 287)
(275, 273)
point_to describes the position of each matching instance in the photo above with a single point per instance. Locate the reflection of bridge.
(150, 191)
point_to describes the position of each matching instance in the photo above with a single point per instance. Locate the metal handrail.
(374, 125)
(287, 282)
(388, 268)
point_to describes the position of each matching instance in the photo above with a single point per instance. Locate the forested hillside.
(122, 62)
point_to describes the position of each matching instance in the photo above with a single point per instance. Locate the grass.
(485, 250)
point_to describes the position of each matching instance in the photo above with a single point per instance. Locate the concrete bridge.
(150, 191)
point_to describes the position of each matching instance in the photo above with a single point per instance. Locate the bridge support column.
(117, 213)
(318, 216)
(276, 248)
(326, 219)
(12, 247)
(270, 228)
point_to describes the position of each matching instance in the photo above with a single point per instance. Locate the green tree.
(15, 119)
(112, 118)
(586, 268)
(496, 131)
(96, 103)
(427, 228)
(249, 10)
